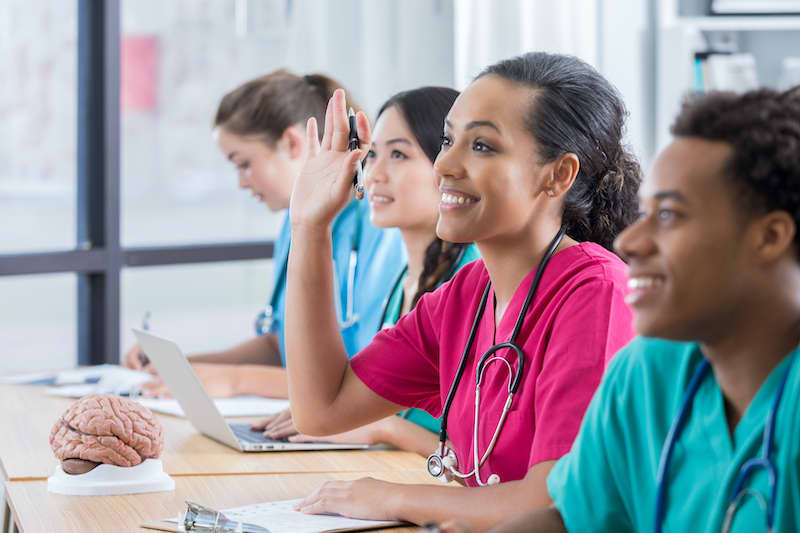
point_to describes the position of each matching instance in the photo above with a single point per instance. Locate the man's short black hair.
(763, 129)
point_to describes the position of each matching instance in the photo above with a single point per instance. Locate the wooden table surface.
(38, 511)
(28, 414)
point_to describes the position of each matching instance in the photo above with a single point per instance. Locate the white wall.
(609, 34)
(623, 59)
(376, 48)
(487, 32)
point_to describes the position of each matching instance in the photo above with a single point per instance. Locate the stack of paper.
(228, 407)
(100, 379)
(103, 379)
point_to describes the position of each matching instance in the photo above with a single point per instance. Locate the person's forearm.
(540, 521)
(317, 358)
(262, 350)
(260, 380)
(480, 507)
(407, 435)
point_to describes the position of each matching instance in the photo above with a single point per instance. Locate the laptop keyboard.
(245, 434)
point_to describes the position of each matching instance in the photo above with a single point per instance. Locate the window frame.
(98, 257)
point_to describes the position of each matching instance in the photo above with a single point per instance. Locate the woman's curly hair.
(762, 128)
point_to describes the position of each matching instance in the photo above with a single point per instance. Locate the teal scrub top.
(608, 480)
(391, 314)
(381, 255)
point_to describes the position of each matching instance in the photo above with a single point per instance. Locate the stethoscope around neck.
(443, 463)
(265, 321)
(739, 491)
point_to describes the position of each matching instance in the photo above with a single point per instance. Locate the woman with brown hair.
(259, 126)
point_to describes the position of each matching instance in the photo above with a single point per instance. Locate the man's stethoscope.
(265, 321)
(443, 462)
(739, 491)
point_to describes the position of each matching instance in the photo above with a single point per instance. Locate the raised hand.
(325, 184)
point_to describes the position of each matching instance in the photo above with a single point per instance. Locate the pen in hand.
(143, 359)
(354, 143)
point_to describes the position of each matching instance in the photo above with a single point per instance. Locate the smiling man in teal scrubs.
(715, 268)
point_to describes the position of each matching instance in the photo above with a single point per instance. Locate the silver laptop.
(179, 377)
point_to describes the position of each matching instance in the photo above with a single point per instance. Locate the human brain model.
(105, 429)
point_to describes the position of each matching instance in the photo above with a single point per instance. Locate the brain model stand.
(108, 445)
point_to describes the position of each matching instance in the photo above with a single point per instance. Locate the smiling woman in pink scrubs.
(531, 147)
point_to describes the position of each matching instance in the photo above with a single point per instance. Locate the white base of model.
(108, 480)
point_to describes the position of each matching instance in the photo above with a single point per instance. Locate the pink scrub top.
(577, 320)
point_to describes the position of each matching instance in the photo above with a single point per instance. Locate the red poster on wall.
(138, 72)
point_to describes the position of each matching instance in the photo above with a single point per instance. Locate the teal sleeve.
(584, 484)
(422, 418)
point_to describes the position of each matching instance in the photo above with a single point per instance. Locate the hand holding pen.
(325, 183)
(135, 358)
(354, 144)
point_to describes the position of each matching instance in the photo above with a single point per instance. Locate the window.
(201, 307)
(38, 135)
(60, 186)
(176, 185)
(114, 199)
(37, 322)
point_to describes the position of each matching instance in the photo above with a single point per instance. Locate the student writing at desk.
(531, 168)
(404, 193)
(259, 128)
(715, 273)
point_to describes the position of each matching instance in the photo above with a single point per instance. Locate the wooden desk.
(28, 414)
(38, 511)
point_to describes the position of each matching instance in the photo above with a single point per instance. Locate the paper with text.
(280, 517)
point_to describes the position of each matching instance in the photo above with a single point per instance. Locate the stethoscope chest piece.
(441, 463)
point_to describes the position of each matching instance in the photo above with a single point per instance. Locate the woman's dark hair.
(573, 109)
(424, 111)
(762, 128)
(267, 105)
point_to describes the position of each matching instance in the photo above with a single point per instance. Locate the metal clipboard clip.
(201, 518)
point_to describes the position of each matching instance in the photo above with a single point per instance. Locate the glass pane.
(178, 59)
(201, 307)
(38, 323)
(38, 95)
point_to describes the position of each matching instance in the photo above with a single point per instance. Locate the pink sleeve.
(401, 364)
(591, 325)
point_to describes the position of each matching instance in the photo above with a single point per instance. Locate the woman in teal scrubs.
(259, 127)
(715, 288)
(404, 193)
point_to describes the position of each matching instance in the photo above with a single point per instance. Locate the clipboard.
(177, 528)
(163, 526)
(201, 518)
